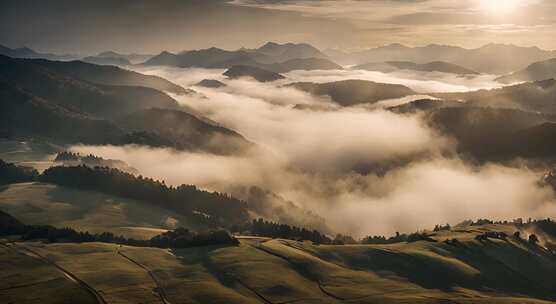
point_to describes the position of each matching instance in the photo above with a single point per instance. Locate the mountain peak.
(270, 44)
(395, 45)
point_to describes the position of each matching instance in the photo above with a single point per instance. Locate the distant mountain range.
(207, 58)
(274, 57)
(29, 53)
(353, 92)
(491, 58)
(133, 58)
(435, 66)
(501, 59)
(107, 60)
(288, 51)
(541, 70)
(536, 96)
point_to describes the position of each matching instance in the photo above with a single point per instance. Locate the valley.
(278, 152)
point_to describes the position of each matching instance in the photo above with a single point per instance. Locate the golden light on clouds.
(500, 7)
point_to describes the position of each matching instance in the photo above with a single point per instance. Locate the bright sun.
(499, 7)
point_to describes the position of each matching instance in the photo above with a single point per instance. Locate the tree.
(10, 173)
(210, 209)
(533, 239)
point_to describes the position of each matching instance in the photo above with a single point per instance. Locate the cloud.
(423, 82)
(406, 199)
(442, 191)
(307, 157)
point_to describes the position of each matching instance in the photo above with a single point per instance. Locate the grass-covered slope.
(260, 270)
(25, 279)
(47, 204)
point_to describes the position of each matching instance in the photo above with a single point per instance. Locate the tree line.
(178, 238)
(260, 227)
(212, 208)
(10, 173)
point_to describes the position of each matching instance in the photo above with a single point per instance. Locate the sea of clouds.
(364, 169)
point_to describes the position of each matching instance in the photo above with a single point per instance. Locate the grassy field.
(281, 271)
(35, 154)
(259, 270)
(37, 203)
(25, 279)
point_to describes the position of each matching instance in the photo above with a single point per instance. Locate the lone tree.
(533, 239)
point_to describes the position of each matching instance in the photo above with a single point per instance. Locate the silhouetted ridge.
(239, 71)
(353, 92)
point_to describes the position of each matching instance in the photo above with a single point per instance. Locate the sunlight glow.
(500, 7)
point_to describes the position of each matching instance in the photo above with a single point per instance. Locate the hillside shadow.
(81, 204)
(4, 187)
(501, 267)
(201, 256)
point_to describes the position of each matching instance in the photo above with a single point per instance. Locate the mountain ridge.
(491, 58)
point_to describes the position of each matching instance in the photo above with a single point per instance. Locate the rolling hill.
(435, 66)
(185, 131)
(531, 96)
(49, 204)
(50, 100)
(108, 75)
(491, 134)
(261, 75)
(456, 268)
(425, 105)
(210, 83)
(305, 64)
(537, 71)
(353, 92)
(74, 94)
(24, 115)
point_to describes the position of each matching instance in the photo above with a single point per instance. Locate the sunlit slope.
(24, 279)
(47, 204)
(280, 271)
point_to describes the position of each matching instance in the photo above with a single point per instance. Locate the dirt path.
(159, 289)
(33, 254)
(260, 296)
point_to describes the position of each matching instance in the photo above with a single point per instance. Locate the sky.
(143, 26)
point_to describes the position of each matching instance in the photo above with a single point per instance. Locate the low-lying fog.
(309, 156)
